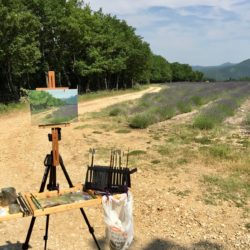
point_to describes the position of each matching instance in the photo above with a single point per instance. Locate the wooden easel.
(51, 162)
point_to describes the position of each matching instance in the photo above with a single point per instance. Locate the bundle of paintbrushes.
(25, 208)
(109, 179)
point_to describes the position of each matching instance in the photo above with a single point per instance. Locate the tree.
(19, 45)
(160, 70)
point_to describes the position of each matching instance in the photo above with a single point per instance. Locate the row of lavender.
(222, 108)
(177, 98)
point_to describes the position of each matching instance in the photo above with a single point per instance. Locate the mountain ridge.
(226, 71)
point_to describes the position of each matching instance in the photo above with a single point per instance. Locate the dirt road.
(23, 148)
(169, 212)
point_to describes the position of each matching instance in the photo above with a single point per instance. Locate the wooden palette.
(59, 208)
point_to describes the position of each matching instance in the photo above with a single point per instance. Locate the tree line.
(86, 48)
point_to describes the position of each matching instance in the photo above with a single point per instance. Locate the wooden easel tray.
(60, 207)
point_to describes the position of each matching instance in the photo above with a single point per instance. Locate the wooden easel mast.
(55, 130)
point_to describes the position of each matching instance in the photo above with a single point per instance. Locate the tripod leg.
(91, 229)
(45, 176)
(65, 172)
(26, 244)
(46, 232)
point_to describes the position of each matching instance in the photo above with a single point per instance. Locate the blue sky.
(63, 93)
(197, 32)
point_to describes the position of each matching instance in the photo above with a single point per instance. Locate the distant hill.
(70, 101)
(226, 71)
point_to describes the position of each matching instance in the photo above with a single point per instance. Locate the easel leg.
(91, 229)
(46, 232)
(26, 244)
(45, 177)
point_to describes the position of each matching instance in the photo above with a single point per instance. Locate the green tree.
(19, 45)
(160, 70)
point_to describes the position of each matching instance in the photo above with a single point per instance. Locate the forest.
(86, 48)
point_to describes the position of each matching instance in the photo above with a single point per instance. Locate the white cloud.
(133, 6)
(203, 32)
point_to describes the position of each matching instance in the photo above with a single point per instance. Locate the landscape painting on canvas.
(55, 106)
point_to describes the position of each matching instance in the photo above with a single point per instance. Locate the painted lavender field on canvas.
(55, 106)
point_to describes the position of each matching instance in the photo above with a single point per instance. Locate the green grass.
(222, 151)
(232, 188)
(183, 193)
(184, 107)
(83, 126)
(182, 161)
(197, 100)
(247, 120)
(56, 120)
(153, 115)
(137, 152)
(183, 98)
(141, 121)
(203, 140)
(156, 161)
(247, 226)
(106, 93)
(117, 111)
(97, 132)
(217, 112)
(204, 122)
(6, 108)
(164, 150)
(123, 131)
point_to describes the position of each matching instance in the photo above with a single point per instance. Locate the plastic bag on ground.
(119, 221)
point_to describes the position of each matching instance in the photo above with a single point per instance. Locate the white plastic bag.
(119, 221)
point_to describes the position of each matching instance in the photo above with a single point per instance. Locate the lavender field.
(222, 99)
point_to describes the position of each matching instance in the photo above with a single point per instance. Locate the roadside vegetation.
(106, 93)
(222, 108)
(219, 155)
(24, 105)
(6, 108)
(181, 98)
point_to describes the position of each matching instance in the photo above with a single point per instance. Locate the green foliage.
(137, 152)
(247, 120)
(184, 107)
(123, 131)
(232, 188)
(41, 100)
(160, 70)
(141, 121)
(86, 48)
(155, 161)
(184, 72)
(204, 122)
(197, 100)
(5, 108)
(116, 111)
(222, 151)
(224, 107)
(203, 140)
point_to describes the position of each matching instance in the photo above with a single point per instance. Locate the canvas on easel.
(53, 106)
